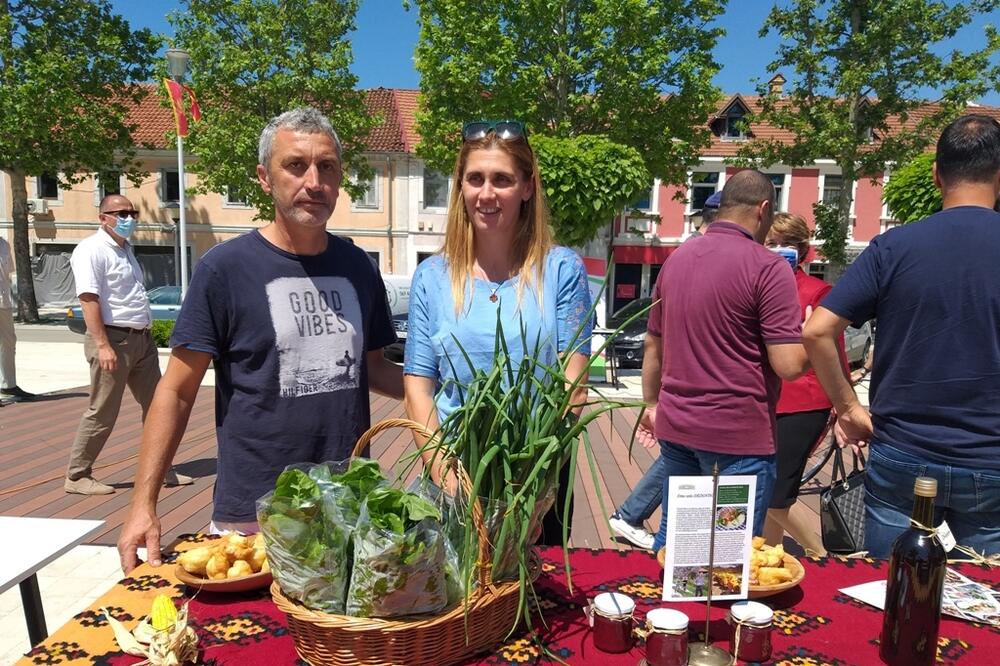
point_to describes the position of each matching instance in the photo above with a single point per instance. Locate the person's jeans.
(967, 498)
(646, 496)
(679, 460)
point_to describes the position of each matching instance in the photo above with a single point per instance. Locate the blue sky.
(387, 34)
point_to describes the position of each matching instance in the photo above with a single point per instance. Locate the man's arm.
(788, 360)
(92, 317)
(165, 425)
(820, 337)
(652, 365)
(384, 376)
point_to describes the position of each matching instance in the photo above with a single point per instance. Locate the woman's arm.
(578, 368)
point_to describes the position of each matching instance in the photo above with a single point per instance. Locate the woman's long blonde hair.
(532, 238)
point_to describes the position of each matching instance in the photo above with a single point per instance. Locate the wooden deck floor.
(35, 439)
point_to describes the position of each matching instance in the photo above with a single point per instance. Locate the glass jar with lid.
(666, 637)
(610, 615)
(751, 623)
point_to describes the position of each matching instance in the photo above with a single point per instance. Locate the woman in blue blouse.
(498, 255)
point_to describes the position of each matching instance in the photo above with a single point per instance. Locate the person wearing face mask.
(724, 331)
(118, 344)
(804, 409)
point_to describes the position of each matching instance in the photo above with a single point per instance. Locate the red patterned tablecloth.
(814, 623)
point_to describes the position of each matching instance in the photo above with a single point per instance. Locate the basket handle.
(484, 565)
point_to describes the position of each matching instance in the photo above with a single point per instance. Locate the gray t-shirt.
(288, 335)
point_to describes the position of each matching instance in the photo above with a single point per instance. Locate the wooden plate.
(241, 584)
(798, 573)
(759, 591)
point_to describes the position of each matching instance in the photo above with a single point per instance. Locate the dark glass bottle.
(913, 595)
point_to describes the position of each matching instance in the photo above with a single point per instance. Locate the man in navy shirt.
(294, 319)
(935, 391)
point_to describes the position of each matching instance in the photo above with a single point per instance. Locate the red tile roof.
(397, 133)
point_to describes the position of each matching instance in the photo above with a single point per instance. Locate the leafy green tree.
(585, 176)
(631, 73)
(859, 68)
(254, 59)
(911, 193)
(68, 73)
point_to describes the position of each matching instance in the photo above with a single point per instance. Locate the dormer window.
(733, 127)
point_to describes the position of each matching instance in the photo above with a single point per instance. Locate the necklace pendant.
(493, 298)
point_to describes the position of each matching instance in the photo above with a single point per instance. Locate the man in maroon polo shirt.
(725, 332)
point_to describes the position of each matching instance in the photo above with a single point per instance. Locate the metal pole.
(182, 222)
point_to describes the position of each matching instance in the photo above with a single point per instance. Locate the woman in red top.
(803, 409)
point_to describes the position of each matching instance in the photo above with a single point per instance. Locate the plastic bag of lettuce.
(401, 560)
(307, 524)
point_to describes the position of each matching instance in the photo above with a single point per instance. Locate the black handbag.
(842, 506)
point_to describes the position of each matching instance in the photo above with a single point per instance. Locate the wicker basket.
(465, 630)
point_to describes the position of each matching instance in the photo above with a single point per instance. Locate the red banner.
(176, 91)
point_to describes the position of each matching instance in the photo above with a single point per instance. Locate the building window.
(703, 185)
(376, 257)
(109, 183)
(644, 201)
(233, 199)
(47, 186)
(733, 128)
(778, 180)
(370, 200)
(424, 255)
(831, 189)
(170, 191)
(435, 189)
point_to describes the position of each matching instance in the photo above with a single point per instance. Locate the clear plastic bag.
(307, 523)
(399, 570)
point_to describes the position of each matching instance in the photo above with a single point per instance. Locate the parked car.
(164, 302)
(394, 352)
(629, 343)
(858, 342)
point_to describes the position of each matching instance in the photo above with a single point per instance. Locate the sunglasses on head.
(504, 129)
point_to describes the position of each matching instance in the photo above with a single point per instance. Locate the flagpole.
(182, 220)
(177, 64)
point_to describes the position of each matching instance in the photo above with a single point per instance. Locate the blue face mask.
(790, 254)
(124, 226)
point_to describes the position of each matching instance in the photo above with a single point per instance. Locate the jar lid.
(752, 612)
(667, 619)
(614, 604)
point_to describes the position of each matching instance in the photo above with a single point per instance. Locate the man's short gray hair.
(305, 119)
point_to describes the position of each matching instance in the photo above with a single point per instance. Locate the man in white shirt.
(9, 390)
(118, 343)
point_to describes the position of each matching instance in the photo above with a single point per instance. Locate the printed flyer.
(690, 524)
(963, 598)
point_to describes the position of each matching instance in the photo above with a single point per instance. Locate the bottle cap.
(751, 612)
(925, 486)
(667, 619)
(614, 604)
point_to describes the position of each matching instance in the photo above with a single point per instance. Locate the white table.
(31, 543)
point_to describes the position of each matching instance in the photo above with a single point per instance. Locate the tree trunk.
(27, 306)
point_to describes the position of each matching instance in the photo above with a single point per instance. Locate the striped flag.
(176, 91)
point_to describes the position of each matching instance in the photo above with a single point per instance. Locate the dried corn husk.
(172, 647)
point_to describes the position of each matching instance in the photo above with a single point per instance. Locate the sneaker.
(637, 536)
(87, 485)
(17, 394)
(172, 478)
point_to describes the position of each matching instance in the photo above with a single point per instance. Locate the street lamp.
(177, 65)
